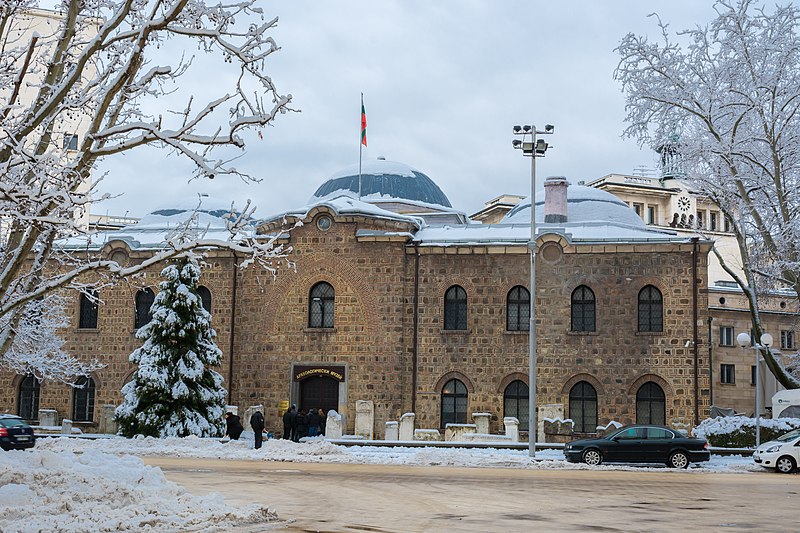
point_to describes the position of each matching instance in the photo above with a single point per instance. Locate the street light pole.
(766, 341)
(533, 149)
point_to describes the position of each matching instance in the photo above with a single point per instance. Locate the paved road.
(359, 498)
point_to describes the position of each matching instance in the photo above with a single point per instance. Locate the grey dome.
(584, 204)
(383, 180)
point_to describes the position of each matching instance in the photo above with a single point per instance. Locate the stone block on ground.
(407, 426)
(454, 432)
(427, 434)
(392, 431)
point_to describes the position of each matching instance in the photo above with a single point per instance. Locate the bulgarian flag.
(363, 123)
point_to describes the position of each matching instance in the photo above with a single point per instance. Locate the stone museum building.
(399, 298)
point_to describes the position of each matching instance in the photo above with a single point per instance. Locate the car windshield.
(12, 422)
(789, 436)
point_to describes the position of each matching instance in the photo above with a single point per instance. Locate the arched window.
(583, 407)
(83, 400)
(144, 302)
(518, 311)
(583, 309)
(455, 308)
(515, 403)
(28, 398)
(651, 405)
(651, 309)
(454, 403)
(320, 306)
(205, 297)
(88, 310)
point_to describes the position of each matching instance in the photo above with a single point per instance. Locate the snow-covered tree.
(174, 391)
(38, 349)
(732, 91)
(116, 70)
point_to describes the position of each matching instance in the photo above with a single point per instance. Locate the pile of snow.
(321, 451)
(728, 424)
(43, 490)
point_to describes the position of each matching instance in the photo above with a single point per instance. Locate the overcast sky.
(443, 84)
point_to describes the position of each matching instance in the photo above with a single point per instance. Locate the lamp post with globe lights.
(533, 148)
(743, 339)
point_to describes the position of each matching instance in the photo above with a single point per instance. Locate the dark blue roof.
(386, 179)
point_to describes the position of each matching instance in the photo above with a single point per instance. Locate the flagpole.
(360, 145)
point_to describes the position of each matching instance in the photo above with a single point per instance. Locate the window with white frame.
(787, 340)
(726, 336)
(727, 374)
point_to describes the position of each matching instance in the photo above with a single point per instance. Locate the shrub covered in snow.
(740, 431)
(174, 392)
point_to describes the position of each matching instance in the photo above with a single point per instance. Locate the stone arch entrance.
(319, 392)
(319, 386)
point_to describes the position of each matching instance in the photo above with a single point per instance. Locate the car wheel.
(785, 465)
(678, 460)
(592, 457)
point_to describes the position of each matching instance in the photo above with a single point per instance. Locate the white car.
(782, 454)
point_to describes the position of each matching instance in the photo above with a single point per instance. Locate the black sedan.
(639, 444)
(15, 434)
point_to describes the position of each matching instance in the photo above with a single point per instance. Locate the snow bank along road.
(398, 498)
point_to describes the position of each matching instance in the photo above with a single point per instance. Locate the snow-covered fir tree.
(174, 391)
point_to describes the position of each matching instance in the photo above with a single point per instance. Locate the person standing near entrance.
(322, 419)
(257, 423)
(313, 422)
(300, 429)
(288, 423)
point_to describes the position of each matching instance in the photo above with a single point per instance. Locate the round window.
(324, 223)
(551, 252)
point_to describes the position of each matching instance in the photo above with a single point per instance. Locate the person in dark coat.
(288, 423)
(257, 423)
(233, 426)
(300, 426)
(322, 420)
(312, 419)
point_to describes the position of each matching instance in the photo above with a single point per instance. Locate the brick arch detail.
(454, 375)
(658, 380)
(590, 379)
(510, 378)
(331, 270)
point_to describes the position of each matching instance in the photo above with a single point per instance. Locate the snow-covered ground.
(63, 482)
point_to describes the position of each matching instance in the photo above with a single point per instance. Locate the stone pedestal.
(248, 413)
(48, 417)
(427, 434)
(66, 426)
(481, 422)
(453, 432)
(392, 431)
(365, 418)
(333, 425)
(512, 427)
(549, 410)
(407, 426)
(557, 430)
(106, 422)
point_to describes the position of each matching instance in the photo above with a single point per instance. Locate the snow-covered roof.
(584, 204)
(383, 180)
(345, 204)
(152, 231)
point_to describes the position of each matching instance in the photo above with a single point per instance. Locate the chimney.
(555, 199)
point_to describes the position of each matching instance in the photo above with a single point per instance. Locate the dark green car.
(639, 444)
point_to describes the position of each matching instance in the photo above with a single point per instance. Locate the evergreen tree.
(174, 392)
